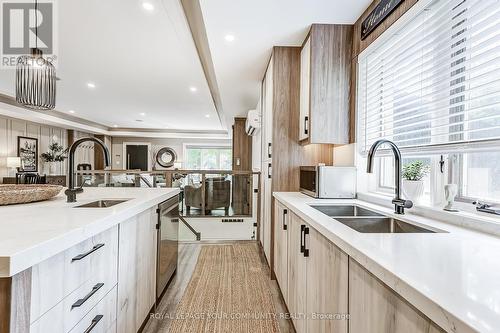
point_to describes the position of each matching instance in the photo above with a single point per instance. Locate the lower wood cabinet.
(327, 291)
(375, 308)
(297, 274)
(101, 319)
(281, 247)
(317, 280)
(136, 270)
(327, 286)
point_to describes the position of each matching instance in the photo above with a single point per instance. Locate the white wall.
(176, 144)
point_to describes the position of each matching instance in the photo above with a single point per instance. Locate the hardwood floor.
(188, 255)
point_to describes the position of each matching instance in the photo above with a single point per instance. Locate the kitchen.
(358, 194)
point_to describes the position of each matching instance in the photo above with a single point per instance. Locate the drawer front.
(66, 314)
(88, 263)
(102, 318)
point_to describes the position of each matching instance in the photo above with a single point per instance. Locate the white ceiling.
(146, 61)
(140, 61)
(257, 25)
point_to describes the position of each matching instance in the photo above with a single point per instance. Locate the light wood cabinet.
(317, 281)
(267, 116)
(267, 206)
(266, 168)
(327, 286)
(95, 259)
(281, 247)
(137, 270)
(102, 318)
(297, 274)
(305, 85)
(282, 154)
(374, 307)
(325, 84)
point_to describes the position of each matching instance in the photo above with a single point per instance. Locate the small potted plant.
(56, 154)
(413, 184)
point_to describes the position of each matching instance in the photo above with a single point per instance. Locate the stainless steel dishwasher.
(168, 233)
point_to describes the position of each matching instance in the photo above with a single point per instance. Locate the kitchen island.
(65, 268)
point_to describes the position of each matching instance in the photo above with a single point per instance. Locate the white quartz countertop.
(453, 277)
(31, 233)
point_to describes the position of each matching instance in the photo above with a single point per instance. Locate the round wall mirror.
(166, 157)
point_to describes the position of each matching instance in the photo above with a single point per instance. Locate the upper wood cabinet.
(325, 76)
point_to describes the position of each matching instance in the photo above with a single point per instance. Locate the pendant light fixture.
(35, 78)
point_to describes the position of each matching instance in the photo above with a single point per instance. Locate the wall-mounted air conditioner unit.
(252, 125)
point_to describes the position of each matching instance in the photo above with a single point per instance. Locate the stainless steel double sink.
(366, 221)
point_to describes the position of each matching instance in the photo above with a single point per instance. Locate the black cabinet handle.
(269, 171)
(83, 255)
(306, 250)
(269, 151)
(302, 245)
(306, 123)
(80, 302)
(94, 323)
(285, 212)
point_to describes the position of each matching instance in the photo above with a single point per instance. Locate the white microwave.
(328, 182)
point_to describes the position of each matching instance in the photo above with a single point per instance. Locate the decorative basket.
(17, 194)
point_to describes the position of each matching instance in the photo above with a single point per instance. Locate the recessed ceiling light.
(207, 116)
(71, 111)
(115, 126)
(142, 114)
(91, 85)
(193, 89)
(148, 6)
(229, 38)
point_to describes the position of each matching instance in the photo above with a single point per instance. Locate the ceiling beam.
(10, 108)
(194, 16)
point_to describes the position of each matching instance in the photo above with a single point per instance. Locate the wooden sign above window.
(378, 15)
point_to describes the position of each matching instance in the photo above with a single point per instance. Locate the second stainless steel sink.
(382, 225)
(102, 203)
(344, 210)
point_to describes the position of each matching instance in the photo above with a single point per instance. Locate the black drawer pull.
(94, 323)
(302, 246)
(80, 302)
(269, 171)
(306, 121)
(83, 255)
(285, 227)
(306, 250)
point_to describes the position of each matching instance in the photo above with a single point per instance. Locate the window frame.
(187, 146)
(454, 171)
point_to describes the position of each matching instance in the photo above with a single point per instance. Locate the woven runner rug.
(228, 292)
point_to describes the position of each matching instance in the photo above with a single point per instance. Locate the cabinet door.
(373, 307)
(327, 285)
(268, 113)
(136, 270)
(266, 219)
(297, 278)
(280, 246)
(305, 70)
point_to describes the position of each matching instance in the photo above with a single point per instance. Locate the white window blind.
(435, 81)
